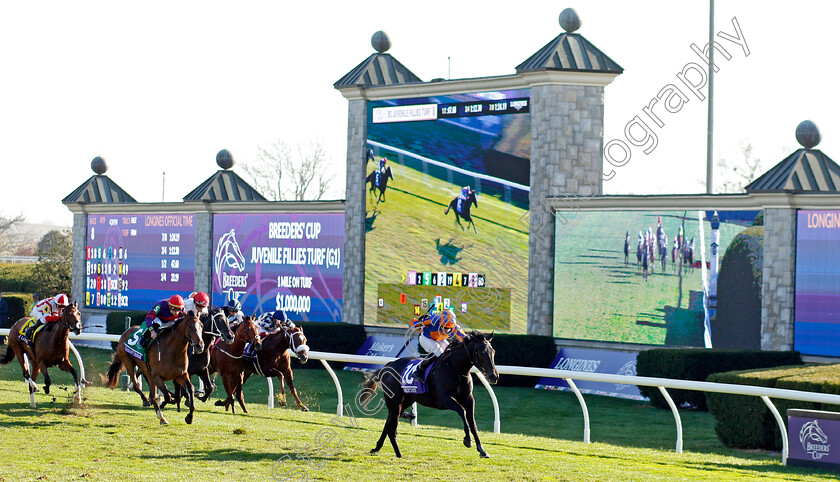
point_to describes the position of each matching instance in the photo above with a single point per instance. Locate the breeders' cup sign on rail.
(290, 262)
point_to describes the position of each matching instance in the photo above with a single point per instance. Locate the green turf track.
(110, 437)
(408, 231)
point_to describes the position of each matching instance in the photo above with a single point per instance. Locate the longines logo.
(814, 441)
(228, 255)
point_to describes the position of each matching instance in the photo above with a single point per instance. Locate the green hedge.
(115, 321)
(526, 351)
(17, 277)
(697, 364)
(746, 422)
(20, 305)
(332, 338)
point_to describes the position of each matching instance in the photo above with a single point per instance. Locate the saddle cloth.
(409, 384)
(25, 336)
(134, 345)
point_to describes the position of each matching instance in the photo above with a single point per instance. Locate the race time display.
(447, 182)
(134, 260)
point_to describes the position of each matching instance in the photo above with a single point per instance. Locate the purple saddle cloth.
(409, 384)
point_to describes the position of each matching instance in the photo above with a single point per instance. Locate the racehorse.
(462, 208)
(379, 180)
(228, 254)
(226, 358)
(274, 360)
(626, 248)
(449, 386)
(166, 359)
(214, 325)
(50, 348)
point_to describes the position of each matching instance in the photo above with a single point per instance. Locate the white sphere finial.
(569, 20)
(807, 134)
(380, 42)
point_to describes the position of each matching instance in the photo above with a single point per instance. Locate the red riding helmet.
(176, 301)
(201, 299)
(62, 300)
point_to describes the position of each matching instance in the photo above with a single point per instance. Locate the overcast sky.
(163, 86)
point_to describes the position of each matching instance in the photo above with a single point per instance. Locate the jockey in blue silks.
(382, 166)
(437, 327)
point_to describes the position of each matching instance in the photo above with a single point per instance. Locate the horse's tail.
(370, 385)
(8, 356)
(114, 371)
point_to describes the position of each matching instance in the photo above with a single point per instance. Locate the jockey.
(162, 315)
(48, 310)
(197, 303)
(271, 322)
(233, 312)
(437, 328)
(382, 165)
(465, 192)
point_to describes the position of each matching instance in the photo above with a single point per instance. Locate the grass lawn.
(110, 436)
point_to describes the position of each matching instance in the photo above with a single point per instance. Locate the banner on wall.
(595, 361)
(290, 262)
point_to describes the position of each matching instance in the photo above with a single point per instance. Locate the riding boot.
(31, 329)
(420, 372)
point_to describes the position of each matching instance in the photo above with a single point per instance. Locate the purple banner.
(814, 439)
(134, 260)
(595, 361)
(383, 345)
(291, 262)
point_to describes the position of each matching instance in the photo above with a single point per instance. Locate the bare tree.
(283, 173)
(735, 177)
(10, 236)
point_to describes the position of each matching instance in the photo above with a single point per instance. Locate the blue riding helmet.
(280, 316)
(234, 305)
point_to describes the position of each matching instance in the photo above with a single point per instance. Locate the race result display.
(135, 260)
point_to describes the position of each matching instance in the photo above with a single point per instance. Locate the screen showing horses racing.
(633, 276)
(816, 328)
(133, 260)
(447, 184)
(290, 262)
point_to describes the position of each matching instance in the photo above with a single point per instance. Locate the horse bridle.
(66, 313)
(294, 348)
(214, 326)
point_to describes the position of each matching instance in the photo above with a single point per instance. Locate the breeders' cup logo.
(814, 441)
(228, 255)
(628, 369)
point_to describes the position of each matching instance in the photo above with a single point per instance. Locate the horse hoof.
(304, 408)
(147, 404)
(219, 403)
(46, 389)
(189, 419)
(484, 455)
(164, 422)
(467, 443)
(373, 451)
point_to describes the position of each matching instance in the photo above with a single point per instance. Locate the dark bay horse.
(166, 360)
(226, 358)
(51, 348)
(214, 325)
(379, 180)
(274, 360)
(462, 209)
(450, 386)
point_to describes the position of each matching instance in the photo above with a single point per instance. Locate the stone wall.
(77, 292)
(777, 285)
(203, 252)
(567, 127)
(354, 215)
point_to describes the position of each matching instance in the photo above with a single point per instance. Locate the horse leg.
(456, 407)
(282, 390)
(28, 377)
(66, 366)
(393, 419)
(184, 383)
(469, 411)
(229, 387)
(209, 386)
(130, 369)
(153, 386)
(289, 377)
(238, 393)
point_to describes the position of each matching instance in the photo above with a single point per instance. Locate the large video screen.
(135, 260)
(447, 184)
(603, 294)
(291, 262)
(816, 328)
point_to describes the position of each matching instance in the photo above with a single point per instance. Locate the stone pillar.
(203, 252)
(777, 283)
(79, 234)
(354, 215)
(567, 128)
